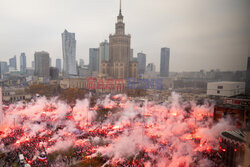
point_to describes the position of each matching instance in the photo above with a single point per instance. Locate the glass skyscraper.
(164, 64)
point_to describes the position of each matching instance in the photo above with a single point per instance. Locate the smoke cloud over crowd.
(121, 131)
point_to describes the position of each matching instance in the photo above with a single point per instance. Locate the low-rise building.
(96, 84)
(14, 94)
(13, 80)
(84, 72)
(225, 88)
(79, 83)
(102, 84)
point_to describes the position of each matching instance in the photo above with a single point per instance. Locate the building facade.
(119, 65)
(103, 53)
(59, 64)
(225, 89)
(84, 72)
(131, 54)
(3, 68)
(54, 73)
(69, 53)
(81, 62)
(93, 59)
(79, 83)
(41, 64)
(141, 58)
(33, 64)
(133, 69)
(164, 64)
(11, 95)
(23, 63)
(12, 63)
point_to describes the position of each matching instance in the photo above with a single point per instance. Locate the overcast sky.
(201, 34)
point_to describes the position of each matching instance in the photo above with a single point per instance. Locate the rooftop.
(226, 82)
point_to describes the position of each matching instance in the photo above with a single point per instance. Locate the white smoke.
(167, 129)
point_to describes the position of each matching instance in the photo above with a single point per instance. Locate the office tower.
(119, 64)
(93, 59)
(12, 63)
(41, 64)
(59, 64)
(141, 58)
(151, 67)
(103, 53)
(131, 54)
(3, 68)
(23, 63)
(69, 53)
(33, 64)
(81, 62)
(164, 64)
(53, 73)
(247, 89)
(50, 62)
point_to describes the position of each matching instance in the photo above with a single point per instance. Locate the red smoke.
(175, 133)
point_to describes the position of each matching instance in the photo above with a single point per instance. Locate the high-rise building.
(164, 64)
(33, 64)
(151, 67)
(119, 65)
(50, 62)
(81, 62)
(59, 64)
(41, 64)
(131, 54)
(54, 73)
(247, 90)
(69, 53)
(23, 63)
(3, 68)
(103, 53)
(93, 59)
(12, 63)
(141, 58)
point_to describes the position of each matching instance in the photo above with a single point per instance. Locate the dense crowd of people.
(37, 148)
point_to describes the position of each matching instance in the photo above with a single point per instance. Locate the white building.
(69, 53)
(225, 88)
(103, 53)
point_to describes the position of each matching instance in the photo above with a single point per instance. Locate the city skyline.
(191, 33)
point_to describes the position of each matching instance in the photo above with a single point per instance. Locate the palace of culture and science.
(119, 65)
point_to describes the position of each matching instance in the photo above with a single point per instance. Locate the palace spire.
(120, 17)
